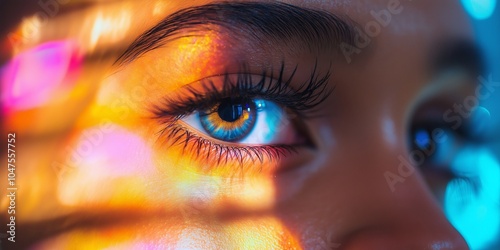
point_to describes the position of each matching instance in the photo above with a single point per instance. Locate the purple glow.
(33, 77)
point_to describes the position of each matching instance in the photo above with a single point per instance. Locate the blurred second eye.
(246, 121)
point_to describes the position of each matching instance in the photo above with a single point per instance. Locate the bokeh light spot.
(471, 203)
(32, 78)
(480, 9)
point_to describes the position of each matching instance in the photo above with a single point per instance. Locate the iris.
(245, 121)
(231, 120)
(422, 139)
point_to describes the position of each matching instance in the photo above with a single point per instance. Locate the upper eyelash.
(302, 100)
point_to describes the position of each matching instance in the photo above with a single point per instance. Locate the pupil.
(231, 110)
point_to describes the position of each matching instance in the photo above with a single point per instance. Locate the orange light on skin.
(264, 232)
(122, 161)
(181, 62)
(116, 237)
(110, 27)
(196, 53)
(261, 233)
(126, 96)
(160, 7)
(215, 191)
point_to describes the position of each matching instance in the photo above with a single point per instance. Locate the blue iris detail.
(232, 120)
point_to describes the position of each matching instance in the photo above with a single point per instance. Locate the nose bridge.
(410, 217)
(419, 220)
(397, 211)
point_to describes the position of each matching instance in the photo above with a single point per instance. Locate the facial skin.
(108, 177)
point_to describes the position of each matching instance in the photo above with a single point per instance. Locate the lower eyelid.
(225, 159)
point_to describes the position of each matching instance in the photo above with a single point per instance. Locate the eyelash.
(301, 102)
(216, 154)
(469, 185)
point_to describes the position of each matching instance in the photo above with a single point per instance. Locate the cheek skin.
(110, 158)
(134, 172)
(195, 198)
(216, 192)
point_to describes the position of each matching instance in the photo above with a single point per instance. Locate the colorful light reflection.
(480, 9)
(32, 78)
(474, 212)
(112, 156)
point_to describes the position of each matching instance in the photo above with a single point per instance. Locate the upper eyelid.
(305, 97)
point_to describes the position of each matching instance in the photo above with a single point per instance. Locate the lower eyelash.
(214, 154)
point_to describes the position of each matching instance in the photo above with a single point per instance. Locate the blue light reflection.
(479, 9)
(472, 203)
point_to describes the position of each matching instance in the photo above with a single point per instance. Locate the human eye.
(463, 175)
(240, 120)
(460, 171)
(246, 121)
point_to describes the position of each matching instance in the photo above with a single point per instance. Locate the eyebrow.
(265, 23)
(458, 53)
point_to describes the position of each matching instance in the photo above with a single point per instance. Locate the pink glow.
(112, 153)
(33, 77)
